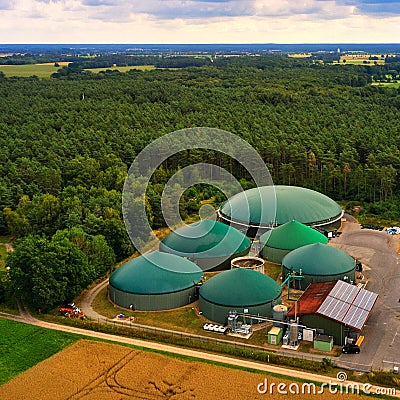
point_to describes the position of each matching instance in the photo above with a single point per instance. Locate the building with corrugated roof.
(318, 263)
(241, 290)
(208, 243)
(334, 308)
(155, 281)
(278, 242)
(262, 208)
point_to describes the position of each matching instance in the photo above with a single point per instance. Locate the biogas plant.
(222, 267)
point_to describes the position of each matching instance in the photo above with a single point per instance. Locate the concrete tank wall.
(248, 262)
(302, 284)
(274, 255)
(152, 302)
(219, 313)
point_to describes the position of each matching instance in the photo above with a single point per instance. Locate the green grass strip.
(22, 346)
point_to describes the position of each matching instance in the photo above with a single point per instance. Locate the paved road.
(378, 251)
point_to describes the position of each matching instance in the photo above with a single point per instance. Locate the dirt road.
(90, 295)
(306, 376)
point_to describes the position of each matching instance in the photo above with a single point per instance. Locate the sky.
(199, 21)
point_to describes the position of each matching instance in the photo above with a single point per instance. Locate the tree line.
(67, 143)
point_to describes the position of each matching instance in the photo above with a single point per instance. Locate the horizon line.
(201, 44)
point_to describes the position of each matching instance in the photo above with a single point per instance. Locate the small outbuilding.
(323, 343)
(155, 281)
(278, 242)
(241, 290)
(208, 243)
(319, 263)
(275, 335)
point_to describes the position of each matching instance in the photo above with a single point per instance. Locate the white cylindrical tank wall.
(279, 313)
(248, 262)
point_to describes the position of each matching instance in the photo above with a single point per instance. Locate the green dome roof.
(205, 239)
(292, 203)
(319, 259)
(156, 273)
(240, 287)
(292, 235)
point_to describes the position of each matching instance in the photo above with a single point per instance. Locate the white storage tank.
(279, 313)
(248, 262)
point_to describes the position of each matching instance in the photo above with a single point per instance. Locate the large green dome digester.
(206, 239)
(240, 287)
(292, 235)
(156, 273)
(255, 207)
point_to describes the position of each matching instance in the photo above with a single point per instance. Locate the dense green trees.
(66, 144)
(290, 110)
(96, 211)
(48, 271)
(307, 120)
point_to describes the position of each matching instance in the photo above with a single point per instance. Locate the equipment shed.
(336, 308)
(323, 343)
(275, 335)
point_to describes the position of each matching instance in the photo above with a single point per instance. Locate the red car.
(71, 311)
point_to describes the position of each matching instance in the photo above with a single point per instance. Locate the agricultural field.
(40, 70)
(300, 55)
(361, 59)
(22, 346)
(394, 85)
(123, 69)
(360, 62)
(90, 370)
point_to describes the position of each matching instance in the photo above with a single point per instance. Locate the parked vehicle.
(71, 311)
(351, 349)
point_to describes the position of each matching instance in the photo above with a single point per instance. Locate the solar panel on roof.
(344, 291)
(356, 317)
(365, 299)
(333, 308)
(348, 304)
(338, 311)
(326, 305)
(337, 288)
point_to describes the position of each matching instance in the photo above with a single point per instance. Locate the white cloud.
(198, 21)
(309, 9)
(6, 4)
(191, 9)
